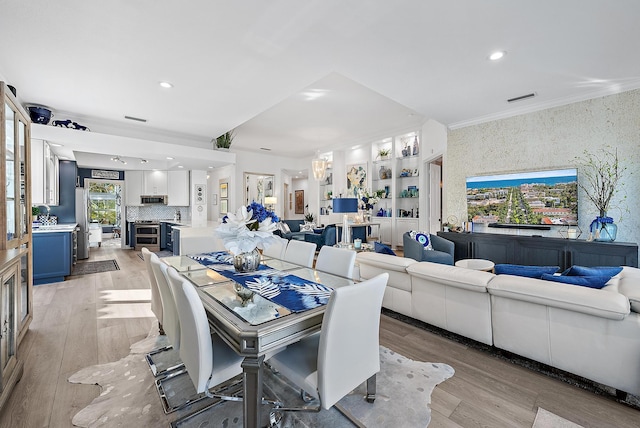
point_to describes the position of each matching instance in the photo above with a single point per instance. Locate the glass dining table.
(257, 314)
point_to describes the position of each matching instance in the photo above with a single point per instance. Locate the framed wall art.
(356, 179)
(299, 201)
(224, 191)
(224, 206)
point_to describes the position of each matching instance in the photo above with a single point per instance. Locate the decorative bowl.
(41, 115)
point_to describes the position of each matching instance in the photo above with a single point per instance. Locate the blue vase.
(603, 229)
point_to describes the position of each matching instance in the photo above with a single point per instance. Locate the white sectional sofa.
(594, 333)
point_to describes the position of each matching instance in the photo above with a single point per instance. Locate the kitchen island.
(53, 252)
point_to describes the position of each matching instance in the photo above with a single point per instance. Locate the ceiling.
(297, 76)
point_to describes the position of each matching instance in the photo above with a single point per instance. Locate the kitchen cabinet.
(52, 256)
(10, 366)
(178, 188)
(15, 200)
(133, 187)
(404, 225)
(155, 182)
(45, 174)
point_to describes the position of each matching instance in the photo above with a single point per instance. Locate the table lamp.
(270, 201)
(345, 206)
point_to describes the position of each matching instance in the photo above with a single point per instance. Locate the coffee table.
(476, 264)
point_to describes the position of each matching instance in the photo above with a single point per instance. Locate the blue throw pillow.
(528, 271)
(383, 249)
(592, 271)
(583, 281)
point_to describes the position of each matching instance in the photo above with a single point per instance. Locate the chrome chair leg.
(371, 389)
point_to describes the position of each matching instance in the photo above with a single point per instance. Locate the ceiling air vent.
(137, 119)
(521, 97)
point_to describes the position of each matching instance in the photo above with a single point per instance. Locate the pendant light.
(319, 167)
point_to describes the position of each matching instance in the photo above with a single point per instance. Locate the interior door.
(435, 197)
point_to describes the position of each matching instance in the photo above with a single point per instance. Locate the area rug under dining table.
(128, 396)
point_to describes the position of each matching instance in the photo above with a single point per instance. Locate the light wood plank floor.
(95, 318)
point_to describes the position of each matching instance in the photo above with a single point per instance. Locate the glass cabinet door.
(23, 153)
(10, 155)
(8, 280)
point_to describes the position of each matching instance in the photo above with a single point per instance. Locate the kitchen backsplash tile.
(156, 212)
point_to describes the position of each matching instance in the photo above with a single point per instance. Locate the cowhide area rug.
(128, 396)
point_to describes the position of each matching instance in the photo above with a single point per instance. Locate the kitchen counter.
(66, 227)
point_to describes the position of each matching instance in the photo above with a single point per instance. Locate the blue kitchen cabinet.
(52, 256)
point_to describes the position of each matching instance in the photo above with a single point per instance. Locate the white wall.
(551, 139)
(267, 164)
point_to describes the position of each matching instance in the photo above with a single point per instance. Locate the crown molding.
(558, 102)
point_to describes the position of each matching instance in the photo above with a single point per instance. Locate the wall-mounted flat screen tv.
(524, 198)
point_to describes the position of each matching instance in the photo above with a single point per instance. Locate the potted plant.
(384, 153)
(601, 180)
(224, 141)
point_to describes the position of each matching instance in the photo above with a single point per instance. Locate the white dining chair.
(200, 244)
(277, 248)
(300, 253)
(209, 361)
(345, 353)
(156, 301)
(337, 261)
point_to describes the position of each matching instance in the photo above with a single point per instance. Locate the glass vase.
(247, 262)
(603, 229)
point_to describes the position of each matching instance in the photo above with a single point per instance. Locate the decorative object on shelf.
(570, 230)
(416, 147)
(69, 124)
(250, 228)
(319, 167)
(451, 225)
(39, 114)
(384, 173)
(602, 177)
(356, 179)
(406, 151)
(224, 141)
(383, 153)
(368, 198)
(309, 217)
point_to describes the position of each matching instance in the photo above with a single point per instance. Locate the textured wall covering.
(551, 139)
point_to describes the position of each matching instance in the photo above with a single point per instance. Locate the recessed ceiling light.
(55, 144)
(497, 55)
(210, 167)
(169, 158)
(180, 166)
(166, 85)
(143, 161)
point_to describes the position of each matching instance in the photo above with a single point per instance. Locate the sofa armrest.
(384, 261)
(453, 276)
(629, 286)
(575, 298)
(441, 244)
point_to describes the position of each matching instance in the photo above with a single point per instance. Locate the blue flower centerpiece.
(244, 232)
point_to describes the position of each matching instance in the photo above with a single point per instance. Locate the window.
(104, 203)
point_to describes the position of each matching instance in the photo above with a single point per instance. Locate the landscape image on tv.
(526, 198)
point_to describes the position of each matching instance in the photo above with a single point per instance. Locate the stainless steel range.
(147, 234)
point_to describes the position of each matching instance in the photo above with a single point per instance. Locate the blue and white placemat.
(292, 292)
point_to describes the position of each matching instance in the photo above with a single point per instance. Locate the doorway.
(106, 210)
(433, 199)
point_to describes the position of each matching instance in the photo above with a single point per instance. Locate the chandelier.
(319, 167)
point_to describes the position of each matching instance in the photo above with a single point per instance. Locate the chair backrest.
(200, 244)
(300, 253)
(276, 249)
(412, 249)
(349, 349)
(329, 235)
(338, 261)
(171, 323)
(196, 349)
(156, 300)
